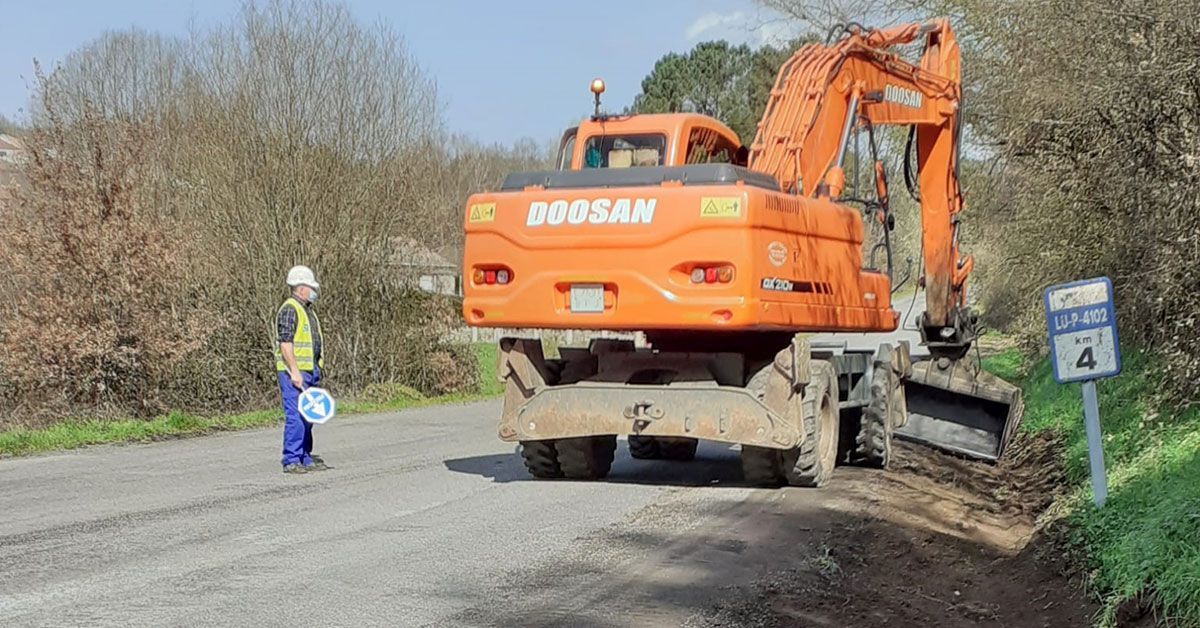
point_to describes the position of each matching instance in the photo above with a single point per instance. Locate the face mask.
(312, 296)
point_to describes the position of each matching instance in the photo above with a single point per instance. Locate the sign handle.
(1091, 422)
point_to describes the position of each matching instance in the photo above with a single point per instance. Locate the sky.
(505, 70)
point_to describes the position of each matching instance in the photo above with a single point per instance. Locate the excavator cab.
(647, 140)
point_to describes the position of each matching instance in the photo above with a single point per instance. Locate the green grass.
(1008, 365)
(485, 363)
(73, 433)
(1146, 539)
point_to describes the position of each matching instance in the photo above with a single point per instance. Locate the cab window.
(566, 149)
(707, 146)
(625, 151)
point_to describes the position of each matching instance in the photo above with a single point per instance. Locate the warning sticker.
(720, 207)
(483, 212)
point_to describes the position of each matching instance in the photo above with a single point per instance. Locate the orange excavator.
(731, 261)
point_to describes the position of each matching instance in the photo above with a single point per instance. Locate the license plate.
(587, 298)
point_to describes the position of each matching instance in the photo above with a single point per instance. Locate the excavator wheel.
(873, 442)
(655, 447)
(541, 459)
(586, 457)
(762, 466)
(644, 448)
(811, 464)
(682, 449)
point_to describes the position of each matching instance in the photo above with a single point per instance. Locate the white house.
(11, 149)
(419, 267)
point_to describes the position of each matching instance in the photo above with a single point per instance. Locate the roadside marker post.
(1082, 325)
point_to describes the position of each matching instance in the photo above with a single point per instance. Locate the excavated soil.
(933, 541)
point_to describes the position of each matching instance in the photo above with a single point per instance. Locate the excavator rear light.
(711, 274)
(491, 275)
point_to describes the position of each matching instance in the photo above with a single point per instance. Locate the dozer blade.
(952, 407)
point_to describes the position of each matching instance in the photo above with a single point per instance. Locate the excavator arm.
(821, 95)
(824, 91)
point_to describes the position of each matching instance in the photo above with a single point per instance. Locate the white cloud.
(712, 20)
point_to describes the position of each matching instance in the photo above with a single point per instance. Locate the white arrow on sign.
(316, 405)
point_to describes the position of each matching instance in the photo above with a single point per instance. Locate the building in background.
(423, 269)
(12, 150)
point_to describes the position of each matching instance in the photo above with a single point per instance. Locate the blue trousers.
(297, 433)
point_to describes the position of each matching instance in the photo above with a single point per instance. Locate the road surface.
(427, 519)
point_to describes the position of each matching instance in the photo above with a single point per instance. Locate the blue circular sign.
(317, 405)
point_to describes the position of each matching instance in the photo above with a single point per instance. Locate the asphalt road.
(425, 519)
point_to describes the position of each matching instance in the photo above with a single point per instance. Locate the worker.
(298, 366)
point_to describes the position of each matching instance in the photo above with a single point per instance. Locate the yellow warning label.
(720, 207)
(483, 212)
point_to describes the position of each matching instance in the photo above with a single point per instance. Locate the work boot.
(295, 468)
(318, 464)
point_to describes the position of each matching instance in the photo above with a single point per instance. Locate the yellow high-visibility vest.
(302, 343)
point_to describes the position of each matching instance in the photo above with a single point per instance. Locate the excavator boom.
(823, 92)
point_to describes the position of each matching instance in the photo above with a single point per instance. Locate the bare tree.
(294, 134)
(8, 127)
(820, 16)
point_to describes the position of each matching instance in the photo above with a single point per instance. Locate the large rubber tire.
(873, 442)
(644, 448)
(541, 459)
(586, 457)
(673, 448)
(811, 464)
(762, 466)
(662, 447)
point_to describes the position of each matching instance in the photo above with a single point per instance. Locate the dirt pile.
(934, 541)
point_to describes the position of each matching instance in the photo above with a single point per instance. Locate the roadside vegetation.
(1145, 541)
(1143, 546)
(74, 433)
(170, 184)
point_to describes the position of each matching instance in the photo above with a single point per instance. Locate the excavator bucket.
(954, 407)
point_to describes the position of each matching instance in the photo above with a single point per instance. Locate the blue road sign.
(1083, 330)
(317, 405)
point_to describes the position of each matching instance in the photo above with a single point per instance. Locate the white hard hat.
(302, 276)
